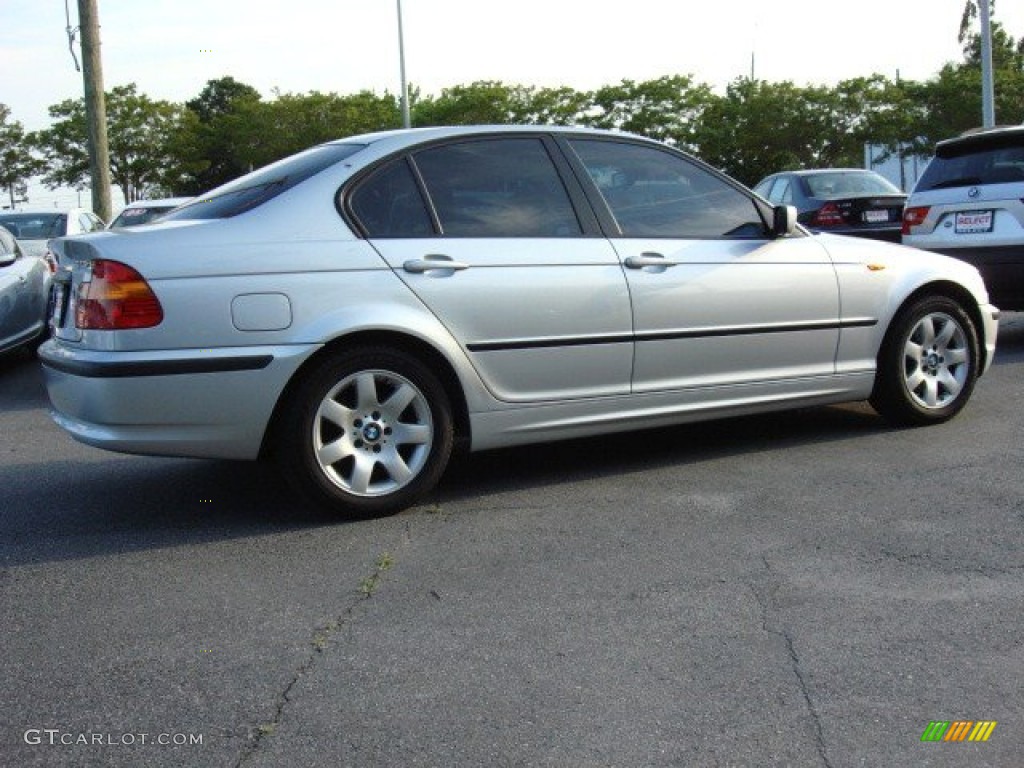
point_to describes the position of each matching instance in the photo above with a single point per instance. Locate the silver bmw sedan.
(358, 310)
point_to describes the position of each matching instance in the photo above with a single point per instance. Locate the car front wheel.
(928, 363)
(366, 433)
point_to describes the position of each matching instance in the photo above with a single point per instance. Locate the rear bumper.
(1001, 267)
(194, 403)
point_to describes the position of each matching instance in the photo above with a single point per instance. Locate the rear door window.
(497, 188)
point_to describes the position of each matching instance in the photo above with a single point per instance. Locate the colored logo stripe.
(982, 730)
(958, 730)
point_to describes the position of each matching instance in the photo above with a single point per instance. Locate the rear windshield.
(34, 226)
(969, 164)
(254, 189)
(131, 217)
(848, 184)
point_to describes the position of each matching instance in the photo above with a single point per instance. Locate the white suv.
(970, 204)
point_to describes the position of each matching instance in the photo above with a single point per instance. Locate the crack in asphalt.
(765, 603)
(949, 562)
(320, 637)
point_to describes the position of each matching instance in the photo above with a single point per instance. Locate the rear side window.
(497, 188)
(781, 192)
(254, 189)
(389, 204)
(653, 193)
(999, 162)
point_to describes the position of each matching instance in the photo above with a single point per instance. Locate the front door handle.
(649, 259)
(431, 262)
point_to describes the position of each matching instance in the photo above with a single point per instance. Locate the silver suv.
(970, 204)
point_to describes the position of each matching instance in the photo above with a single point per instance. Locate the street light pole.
(988, 109)
(406, 120)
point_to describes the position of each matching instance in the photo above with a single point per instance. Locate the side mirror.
(6, 259)
(783, 220)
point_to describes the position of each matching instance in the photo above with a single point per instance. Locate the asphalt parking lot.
(805, 589)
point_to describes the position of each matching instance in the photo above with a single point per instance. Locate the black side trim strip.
(113, 370)
(582, 341)
(719, 332)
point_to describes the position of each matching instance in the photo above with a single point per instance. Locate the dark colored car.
(843, 201)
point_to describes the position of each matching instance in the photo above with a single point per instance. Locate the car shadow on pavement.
(21, 382)
(1010, 342)
(79, 509)
(642, 450)
(84, 508)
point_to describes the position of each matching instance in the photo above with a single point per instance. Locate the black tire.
(928, 363)
(365, 433)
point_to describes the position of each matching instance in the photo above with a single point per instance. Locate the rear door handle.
(432, 262)
(649, 259)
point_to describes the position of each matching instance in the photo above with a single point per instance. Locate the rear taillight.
(116, 297)
(912, 217)
(828, 216)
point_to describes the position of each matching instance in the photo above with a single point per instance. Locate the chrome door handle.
(431, 262)
(649, 260)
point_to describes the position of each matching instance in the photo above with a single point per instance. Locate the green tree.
(206, 153)
(483, 102)
(221, 97)
(758, 128)
(253, 133)
(140, 133)
(668, 109)
(17, 163)
(490, 102)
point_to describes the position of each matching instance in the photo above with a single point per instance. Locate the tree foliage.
(752, 129)
(17, 162)
(140, 133)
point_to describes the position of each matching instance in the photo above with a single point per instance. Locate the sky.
(172, 48)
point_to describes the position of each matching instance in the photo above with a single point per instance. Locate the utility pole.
(406, 122)
(95, 108)
(988, 109)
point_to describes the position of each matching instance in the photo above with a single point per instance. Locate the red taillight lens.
(116, 297)
(912, 217)
(828, 216)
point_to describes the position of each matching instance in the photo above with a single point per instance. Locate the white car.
(969, 203)
(360, 308)
(33, 228)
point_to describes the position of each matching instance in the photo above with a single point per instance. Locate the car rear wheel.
(928, 363)
(366, 433)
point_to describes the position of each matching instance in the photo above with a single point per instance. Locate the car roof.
(417, 135)
(985, 139)
(820, 171)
